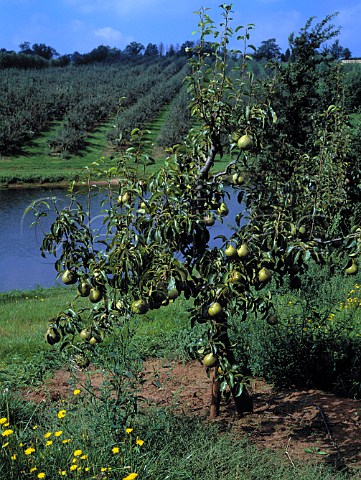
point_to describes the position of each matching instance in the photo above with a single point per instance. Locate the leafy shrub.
(317, 342)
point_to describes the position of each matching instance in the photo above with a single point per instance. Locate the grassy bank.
(36, 165)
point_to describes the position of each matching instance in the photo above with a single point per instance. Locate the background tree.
(268, 50)
(337, 51)
(25, 48)
(186, 48)
(306, 84)
(44, 51)
(134, 49)
(171, 51)
(151, 50)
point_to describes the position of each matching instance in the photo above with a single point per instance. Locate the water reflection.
(21, 265)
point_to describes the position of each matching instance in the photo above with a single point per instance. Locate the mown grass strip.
(36, 164)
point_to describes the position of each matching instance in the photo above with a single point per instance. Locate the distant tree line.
(40, 55)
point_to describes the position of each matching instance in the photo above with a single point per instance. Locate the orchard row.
(76, 100)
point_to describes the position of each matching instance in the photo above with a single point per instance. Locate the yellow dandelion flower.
(84, 457)
(7, 433)
(48, 443)
(29, 451)
(139, 441)
(41, 475)
(73, 467)
(61, 413)
(33, 469)
(13, 457)
(131, 476)
(86, 469)
(3, 420)
(21, 444)
(76, 391)
(5, 445)
(47, 434)
(6, 424)
(67, 440)
(103, 469)
(58, 433)
(77, 453)
(115, 450)
(128, 430)
(62, 473)
(35, 427)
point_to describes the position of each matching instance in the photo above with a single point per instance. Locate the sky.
(81, 25)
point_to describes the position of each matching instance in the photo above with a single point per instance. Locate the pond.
(21, 265)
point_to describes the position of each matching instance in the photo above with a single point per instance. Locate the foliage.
(352, 74)
(178, 122)
(316, 342)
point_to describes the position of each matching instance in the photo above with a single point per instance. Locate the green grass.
(36, 165)
(24, 319)
(188, 449)
(174, 448)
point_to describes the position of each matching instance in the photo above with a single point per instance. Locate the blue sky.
(81, 25)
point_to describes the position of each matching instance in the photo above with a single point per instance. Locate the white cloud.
(108, 33)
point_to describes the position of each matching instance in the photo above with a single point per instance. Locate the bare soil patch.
(304, 425)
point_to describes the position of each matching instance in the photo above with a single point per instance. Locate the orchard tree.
(158, 229)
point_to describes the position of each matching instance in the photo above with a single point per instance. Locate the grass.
(36, 165)
(175, 447)
(24, 319)
(189, 449)
(80, 443)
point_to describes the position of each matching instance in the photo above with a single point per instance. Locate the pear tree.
(158, 240)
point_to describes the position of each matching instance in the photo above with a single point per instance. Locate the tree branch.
(209, 162)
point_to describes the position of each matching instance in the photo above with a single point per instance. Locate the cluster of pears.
(263, 276)
(94, 292)
(91, 336)
(157, 298)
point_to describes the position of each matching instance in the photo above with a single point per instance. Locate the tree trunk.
(243, 402)
(215, 396)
